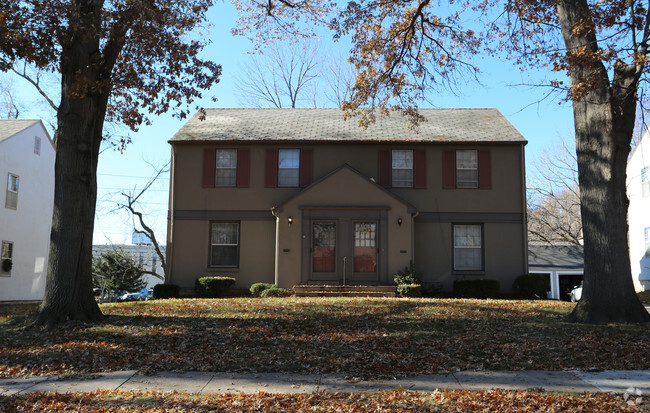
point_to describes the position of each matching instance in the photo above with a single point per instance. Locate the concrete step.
(344, 290)
(344, 294)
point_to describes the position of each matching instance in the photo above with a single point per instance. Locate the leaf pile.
(394, 401)
(359, 337)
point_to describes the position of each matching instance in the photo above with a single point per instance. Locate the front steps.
(344, 290)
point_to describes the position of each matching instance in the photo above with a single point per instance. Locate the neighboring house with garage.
(638, 189)
(563, 264)
(301, 196)
(27, 157)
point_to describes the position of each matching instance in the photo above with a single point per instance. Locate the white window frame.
(218, 167)
(401, 183)
(467, 184)
(474, 247)
(216, 244)
(296, 168)
(11, 193)
(4, 256)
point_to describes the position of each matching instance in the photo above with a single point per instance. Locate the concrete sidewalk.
(210, 383)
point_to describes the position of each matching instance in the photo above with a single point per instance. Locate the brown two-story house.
(296, 196)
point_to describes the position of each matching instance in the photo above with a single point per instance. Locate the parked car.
(136, 296)
(576, 294)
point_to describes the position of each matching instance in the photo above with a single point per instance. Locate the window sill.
(222, 269)
(468, 272)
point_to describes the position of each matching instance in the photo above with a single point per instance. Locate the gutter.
(413, 216)
(276, 214)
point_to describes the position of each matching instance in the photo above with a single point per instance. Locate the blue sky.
(542, 123)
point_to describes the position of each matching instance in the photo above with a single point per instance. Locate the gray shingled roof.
(442, 125)
(556, 257)
(10, 127)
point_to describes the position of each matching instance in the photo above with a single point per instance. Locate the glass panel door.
(324, 246)
(365, 247)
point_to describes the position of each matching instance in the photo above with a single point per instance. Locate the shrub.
(531, 286)
(213, 287)
(482, 288)
(117, 270)
(163, 291)
(409, 290)
(408, 275)
(258, 288)
(276, 292)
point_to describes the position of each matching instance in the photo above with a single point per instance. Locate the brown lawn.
(360, 337)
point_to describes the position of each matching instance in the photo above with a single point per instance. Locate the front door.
(344, 250)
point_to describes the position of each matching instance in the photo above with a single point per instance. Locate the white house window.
(6, 256)
(37, 145)
(466, 169)
(288, 167)
(224, 244)
(645, 182)
(646, 234)
(468, 247)
(12, 191)
(402, 169)
(226, 167)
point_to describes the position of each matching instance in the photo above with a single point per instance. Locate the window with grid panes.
(466, 169)
(288, 167)
(226, 167)
(402, 169)
(468, 247)
(224, 244)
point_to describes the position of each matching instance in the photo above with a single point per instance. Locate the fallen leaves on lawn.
(394, 401)
(360, 337)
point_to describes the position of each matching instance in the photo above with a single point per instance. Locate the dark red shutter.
(449, 169)
(484, 170)
(419, 169)
(243, 168)
(271, 177)
(385, 167)
(306, 167)
(209, 163)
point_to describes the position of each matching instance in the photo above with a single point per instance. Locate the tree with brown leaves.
(118, 60)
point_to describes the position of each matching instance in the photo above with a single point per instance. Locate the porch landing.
(312, 290)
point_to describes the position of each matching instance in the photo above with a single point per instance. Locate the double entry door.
(344, 250)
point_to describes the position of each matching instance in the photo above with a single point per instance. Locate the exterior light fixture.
(290, 220)
(399, 221)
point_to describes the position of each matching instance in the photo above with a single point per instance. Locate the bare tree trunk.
(69, 290)
(604, 122)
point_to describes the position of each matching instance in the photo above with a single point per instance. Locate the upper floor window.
(288, 167)
(37, 145)
(226, 167)
(224, 244)
(12, 191)
(467, 169)
(645, 182)
(402, 168)
(468, 247)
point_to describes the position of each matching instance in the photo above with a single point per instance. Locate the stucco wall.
(28, 226)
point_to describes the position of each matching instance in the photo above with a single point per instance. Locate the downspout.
(524, 216)
(169, 251)
(276, 214)
(413, 216)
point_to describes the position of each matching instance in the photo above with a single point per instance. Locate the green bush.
(408, 275)
(213, 287)
(531, 286)
(482, 288)
(258, 288)
(163, 291)
(276, 292)
(117, 270)
(409, 290)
